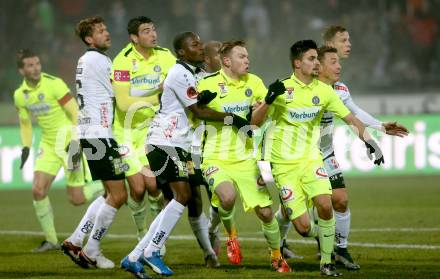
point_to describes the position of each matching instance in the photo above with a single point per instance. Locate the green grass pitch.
(395, 234)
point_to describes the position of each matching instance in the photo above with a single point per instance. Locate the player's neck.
(230, 74)
(31, 82)
(306, 79)
(326, 80)
(145, 52)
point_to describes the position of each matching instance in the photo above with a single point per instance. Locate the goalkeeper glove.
(373, 148)
(205, 97)
(24, 156)
(275, 89)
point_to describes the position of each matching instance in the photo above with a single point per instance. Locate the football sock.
(214, 220)
(326, 238)
(138, 212)
(44, 213)
(228, 221)
(103, 220)
(93, 190)
(85, 226)
(137, 251)
(272, 234)
(155, 204)
(171, 214)
(284, 225)
(199, 226)
(342, 228)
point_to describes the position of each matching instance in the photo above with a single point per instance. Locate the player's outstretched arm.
(372, 147)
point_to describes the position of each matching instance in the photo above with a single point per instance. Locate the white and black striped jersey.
(95, 95)
(327, 125)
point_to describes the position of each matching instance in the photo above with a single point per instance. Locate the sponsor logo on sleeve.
(121, 75)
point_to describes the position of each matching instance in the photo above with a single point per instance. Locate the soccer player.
(291, 145)
(48, 99)
(96, 98)
(339, 38)
(138, 73)
(228, 157)
(168, 143)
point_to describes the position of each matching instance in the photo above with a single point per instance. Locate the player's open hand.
(205, 97)
(73, 154)
(395, 129)
(275, 89)
(24, 156)
(374, 149)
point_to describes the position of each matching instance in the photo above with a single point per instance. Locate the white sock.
(103, 220)
(342, 228)
(199, 226)
(284, 225)
(171, 214)
(137, 251)
(85, 226)
(214, 220)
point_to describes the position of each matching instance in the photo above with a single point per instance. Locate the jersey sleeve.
(343, 92)
(121, 71)
(60, 89)
(183, 87)
(334, 103)
(260, 90)
(23, 113)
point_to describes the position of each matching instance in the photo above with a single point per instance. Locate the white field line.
(255, 239)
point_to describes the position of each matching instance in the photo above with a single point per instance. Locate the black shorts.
(169, 163)
(103, 158)
(197, 178)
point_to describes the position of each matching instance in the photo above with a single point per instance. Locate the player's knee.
(341, 205)
(76, 199)
(38, 193)
(303, 229)
(137, 194)
(325, 211)
(227, 202)
(265, 214)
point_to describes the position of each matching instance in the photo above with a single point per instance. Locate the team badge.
(315, 100)
(157, 68)
(248, 92)
(135, 65)
(321, 173)
(41, 96)
(286, 194)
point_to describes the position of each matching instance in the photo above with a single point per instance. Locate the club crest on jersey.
(315, 100)
(321, 172)
(286, 194)
(157, 69)
(135, 65)
(248, 92)
(289, 94)
(41, 96)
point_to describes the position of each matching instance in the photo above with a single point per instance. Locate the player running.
(48, 99)
(168, 143)
(291, 145)
(96, 98)
(138, 73)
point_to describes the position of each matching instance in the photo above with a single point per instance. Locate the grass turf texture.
(399, 202)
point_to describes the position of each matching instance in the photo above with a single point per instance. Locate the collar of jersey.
(27, 87)
(139, 56)
(235, 82)
(302, 84)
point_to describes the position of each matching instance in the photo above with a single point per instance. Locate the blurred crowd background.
(396, 47)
